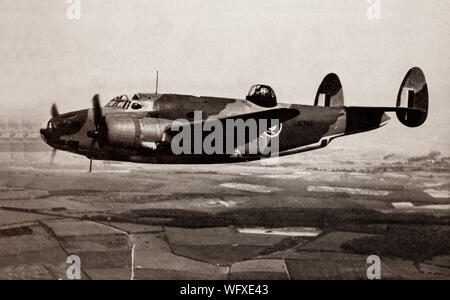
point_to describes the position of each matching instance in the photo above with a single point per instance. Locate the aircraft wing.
(280, 114)
(385, 109)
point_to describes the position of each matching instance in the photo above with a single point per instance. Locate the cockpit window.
(120, 101)
(122, 97)
(125, 103)
(136, 106)
(116, 103)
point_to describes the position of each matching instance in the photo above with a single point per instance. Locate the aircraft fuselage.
(315, 127)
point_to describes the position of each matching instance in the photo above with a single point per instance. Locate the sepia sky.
(221, 48)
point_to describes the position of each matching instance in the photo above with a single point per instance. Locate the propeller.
(53, 156)
(99, 135)
(54, 112)
(55, 118)
(55, 115)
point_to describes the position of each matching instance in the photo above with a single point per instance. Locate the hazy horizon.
(221, 48)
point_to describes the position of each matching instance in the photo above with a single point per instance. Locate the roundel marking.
(274, 131)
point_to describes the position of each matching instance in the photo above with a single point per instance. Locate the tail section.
(411, 109)
(330, 93)
(412, 100)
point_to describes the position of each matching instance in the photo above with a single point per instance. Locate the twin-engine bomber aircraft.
(140, 129)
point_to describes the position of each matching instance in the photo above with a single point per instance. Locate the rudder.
(413, 99)
(330, 93)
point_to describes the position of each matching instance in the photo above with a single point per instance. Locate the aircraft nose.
(45, 131)
(44, 134)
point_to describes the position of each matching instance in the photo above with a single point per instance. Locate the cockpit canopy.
(125, 103)
(119, 101)
(262, 95)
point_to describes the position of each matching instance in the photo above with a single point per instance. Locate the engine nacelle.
(134, 133)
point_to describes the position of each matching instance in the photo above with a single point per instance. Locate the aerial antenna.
(157, 82)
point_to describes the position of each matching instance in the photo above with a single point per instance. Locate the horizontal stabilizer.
(411, 109)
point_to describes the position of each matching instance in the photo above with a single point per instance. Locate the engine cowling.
(134, 133)
(262, 95)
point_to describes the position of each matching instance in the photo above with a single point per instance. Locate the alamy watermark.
(73, 272)
(233, 137)
(374, 10)
(73, 10)
(374, 271)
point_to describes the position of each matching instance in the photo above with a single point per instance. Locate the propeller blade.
(54, 112)
(93, 142)
(100, 133)
(98, 117)
(53, 155)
